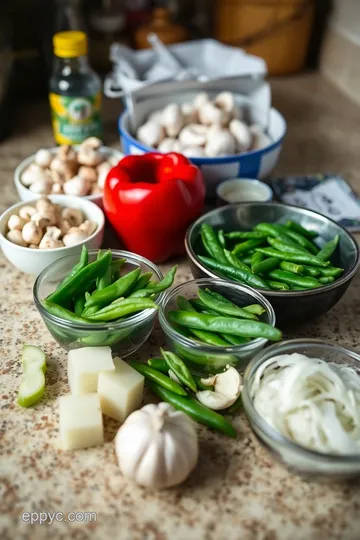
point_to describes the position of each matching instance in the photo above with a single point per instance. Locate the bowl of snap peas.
(300, 260)
(102, 298)
(211, 323)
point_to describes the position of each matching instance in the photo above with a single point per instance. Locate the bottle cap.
(70, 44)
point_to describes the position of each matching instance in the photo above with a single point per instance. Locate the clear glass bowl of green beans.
(71, 327)
(211, 323)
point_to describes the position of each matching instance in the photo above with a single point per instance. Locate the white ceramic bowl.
(239, 190)
(33, 261)
(26, 195)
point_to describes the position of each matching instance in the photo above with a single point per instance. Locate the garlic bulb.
(157, 446)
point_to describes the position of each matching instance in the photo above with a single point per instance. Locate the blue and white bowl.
(253, 164)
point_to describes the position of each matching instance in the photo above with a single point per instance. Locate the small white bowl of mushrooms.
(35, 233)
(70, 170)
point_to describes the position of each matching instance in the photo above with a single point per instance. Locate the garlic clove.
(77, 186)
(229, 383)
(74, 237)
(16, 222)
(221, 144)
(259, 138)
(242, 134)
(193, 152)
(190, 113)
(43, 158)
(169, 145)
(226, 101)
(151, 133)
(89, 156)
(200, 100)
(155, 116)
(172, 119)
(193, 135)
(210, 114)
(214, 400)
(15, 237)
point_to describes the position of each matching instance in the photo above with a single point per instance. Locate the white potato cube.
(84, 366)
(120, 391)
(81, 423)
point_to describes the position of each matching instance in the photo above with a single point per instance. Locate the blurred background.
(291, 35)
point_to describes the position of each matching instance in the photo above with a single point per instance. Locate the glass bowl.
(203, 359)
(124, 336)
(313, 465)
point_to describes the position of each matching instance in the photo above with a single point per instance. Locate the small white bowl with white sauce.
(240, 190)
(272, 427)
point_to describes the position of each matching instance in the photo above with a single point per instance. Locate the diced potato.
(84, 366)
(120, 391)
(81, 423)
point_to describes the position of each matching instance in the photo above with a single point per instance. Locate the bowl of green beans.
(104, 298)
(211, 323)
(301, 261)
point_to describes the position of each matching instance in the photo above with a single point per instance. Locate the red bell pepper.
(150, 201)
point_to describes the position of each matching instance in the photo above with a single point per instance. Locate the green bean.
(63, 313)
(285, 247)
(241, 235)
(79, 282)
(194, 409)
(326, 279)
(228, 338)
(221, 238)
(266, 265)
(256, 258)
(291, 267)
(79, 304)
(257, 309)
(311, 271)
(212, 243)
(277, 286)
(84, 259)
(270, 229)
(247, 260)
(247, 245)
(158, 378)
(298, 288)
(299, 229)
(226, 325)
(224, 308)
(331, 271)
(301, 240)
(235, 273)
(105, 280)
(159, 364)
(178, 366)
(114, 291)
(115, 269)
(158, 287)
(140, 283)
(305, 258)
(294, 279)
(235, 261)
(327, 251)
(125, 307)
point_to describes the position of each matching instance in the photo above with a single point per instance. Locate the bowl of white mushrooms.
(70, 170)
(35, 233)
(218, 132)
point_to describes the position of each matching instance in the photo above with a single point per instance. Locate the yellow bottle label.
(75, 118)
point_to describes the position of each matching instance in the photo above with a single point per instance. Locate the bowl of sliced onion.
(302, 400)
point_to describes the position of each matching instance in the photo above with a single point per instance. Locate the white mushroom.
(47, 213)
(193, 151)
(227, 389)
(210, 114)
(221, 144)
(74, 236)
(33, 246)
(77, 186)
(64, 225)
(32, 233)
(16, 222)
(96, 190)
(45, 205)
(50, 240)
(89, 156)
(43, 158)
(103, 170)
(89, 173)
(88, 227)
(172, 119)
(27, 211)
(57, 189)
(15, 237)
(242, 134)
(42, 185)
(193, 135)
(151, 133)
(91, 142)
(33, 174)
(190, 113)
(259, 138)
(170, 145)
(200, 100)
(73, 215)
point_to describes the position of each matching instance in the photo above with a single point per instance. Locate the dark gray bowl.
(291, 307)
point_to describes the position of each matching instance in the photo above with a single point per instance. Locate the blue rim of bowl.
(211, 349)
(254, 181)
(309, 292)
(201, 161)
(111, 325)
(272, 433)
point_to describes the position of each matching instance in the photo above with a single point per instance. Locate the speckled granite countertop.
(236, 491)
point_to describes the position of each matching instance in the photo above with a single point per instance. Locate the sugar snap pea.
(158, 377)
(83, 261)
(256, 258)
(285, 247)
(159, 364)
(178, 366)
(265, 265)
(247, 246)
(125, 307)
(326, 279)
(224, 308)
(115, 269)
(235, 273)
(194, 409)
(301, 230)
(63, 313)
(328, 250)
(291, 267)
(79, 304)
(277, 285)
(311, 271)
(245, 235)
(256, 309)
(212, 243)
(157, 287)
(301, 240)
(115, 290)
(331, 271)
(226, 325)
(293, 257)
(235, 261)
(294, 279)
(140, 283)
(221, 238)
